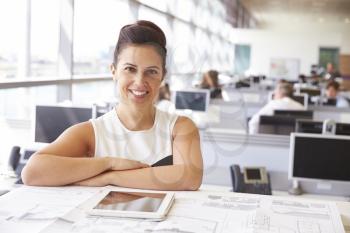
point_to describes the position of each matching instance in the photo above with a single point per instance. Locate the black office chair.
(17, 161)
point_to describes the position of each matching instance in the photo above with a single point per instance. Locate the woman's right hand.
(118, 164)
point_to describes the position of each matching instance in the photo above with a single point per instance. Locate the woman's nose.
(139, 78)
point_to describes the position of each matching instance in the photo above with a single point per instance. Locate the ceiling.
(313, 11)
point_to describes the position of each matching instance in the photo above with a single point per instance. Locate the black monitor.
(196, 100)
(51, 121)
(307, 126)
(319, 157)
(342, 129)
(281, 125)
(304, 114)
(311, 92)
(330, 102)
(303, 99)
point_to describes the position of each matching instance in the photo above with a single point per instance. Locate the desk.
(343, 203)
(180, 218)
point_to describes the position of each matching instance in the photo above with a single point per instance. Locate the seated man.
(281, 101)
(332, 92)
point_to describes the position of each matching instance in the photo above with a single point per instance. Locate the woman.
(210, 81)
(119, 147)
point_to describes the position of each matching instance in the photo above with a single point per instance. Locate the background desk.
(223, 147)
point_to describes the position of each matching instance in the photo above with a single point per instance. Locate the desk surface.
(205, 190)
(343, 203)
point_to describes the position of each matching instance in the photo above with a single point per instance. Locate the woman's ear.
(114, 71)
(164, 74)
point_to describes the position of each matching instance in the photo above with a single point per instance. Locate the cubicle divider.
(222, 148)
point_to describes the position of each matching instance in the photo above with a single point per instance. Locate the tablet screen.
(131, 201)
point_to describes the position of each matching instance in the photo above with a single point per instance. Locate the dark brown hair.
(213, 75)
(333, 84)
(164, 92)
(139, 33)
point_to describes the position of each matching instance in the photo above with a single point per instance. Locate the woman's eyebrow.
(129, 64)
(153, 67)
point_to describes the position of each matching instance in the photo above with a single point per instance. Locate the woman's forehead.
(145, 55)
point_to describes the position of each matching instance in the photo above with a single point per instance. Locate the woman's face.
(331, 92)
(139, 74)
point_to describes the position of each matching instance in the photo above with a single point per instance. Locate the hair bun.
(142, 32)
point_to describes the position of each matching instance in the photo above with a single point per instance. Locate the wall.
(301, 41)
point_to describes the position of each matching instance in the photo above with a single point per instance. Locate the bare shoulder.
(76, 141)
(81, 130)
(184, 126)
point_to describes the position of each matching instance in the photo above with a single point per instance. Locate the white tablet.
(135, 204)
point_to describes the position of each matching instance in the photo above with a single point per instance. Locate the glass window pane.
(18, 103)
(96, 31)
(242, 58)
(94, 92)
(182, 9)
(156, 17)
(12, 11)
(157, 4)
(181, 48)
(44, 37)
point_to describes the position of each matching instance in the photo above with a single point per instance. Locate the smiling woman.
(135, 145)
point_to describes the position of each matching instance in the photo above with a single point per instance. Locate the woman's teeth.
(139, 93)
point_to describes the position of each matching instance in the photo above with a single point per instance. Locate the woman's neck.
(136, 119)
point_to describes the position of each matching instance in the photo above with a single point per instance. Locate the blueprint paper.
(31, 209)
(45, 210)
(195, 212)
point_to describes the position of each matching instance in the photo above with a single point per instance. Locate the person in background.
(164, 97)
(210, 81)
(331, 73)
(302, 78)
(332, 92)
(281, 101)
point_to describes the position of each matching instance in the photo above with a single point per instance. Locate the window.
(242, 58)
(12, 24)
(44, 37)
(96, 31)
(156, 17)
(329, 55)
(181, 48)
(156, 4)
(182, 9)
(94, 92)
(18, 103)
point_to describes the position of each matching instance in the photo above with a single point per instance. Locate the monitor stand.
(295, 190)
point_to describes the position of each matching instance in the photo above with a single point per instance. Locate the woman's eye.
(130, 69)
(152, 72)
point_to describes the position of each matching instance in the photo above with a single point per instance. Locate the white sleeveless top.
(147, 146)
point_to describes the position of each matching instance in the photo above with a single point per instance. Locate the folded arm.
(68, 160)
(185, 174)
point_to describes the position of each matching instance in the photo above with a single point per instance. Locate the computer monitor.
(303, 114)
(308, 126)
(51, 121)
(329, 102)
(342, 129)
(281, 125)
(196, 100)
(319, 157)
(311, 92)
(302, 98)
